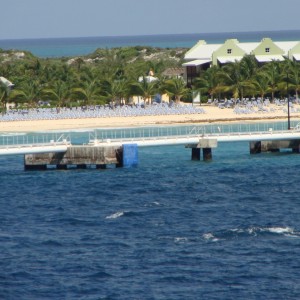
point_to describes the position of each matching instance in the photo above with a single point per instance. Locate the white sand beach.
(213, 115)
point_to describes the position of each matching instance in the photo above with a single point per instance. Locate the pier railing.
(190, 131)
(33, 140)
(157, 132)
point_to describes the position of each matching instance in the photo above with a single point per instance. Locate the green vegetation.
(112, 76)
(249, 79)
(4, 94)
(105, 76)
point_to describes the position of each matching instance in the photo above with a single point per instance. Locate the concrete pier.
(196, 153)
(83, 156)
(274, 146)
(206, 145)
(122, 152)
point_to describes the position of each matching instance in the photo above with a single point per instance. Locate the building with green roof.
(203, 55)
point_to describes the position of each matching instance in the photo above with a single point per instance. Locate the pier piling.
(274, 146)
(196, 153)
(83, 156)
(206, 145)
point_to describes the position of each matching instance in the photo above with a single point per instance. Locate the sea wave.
(180, 239)
(250, 232)
(280, 230)
(210, 237)
(115, 215)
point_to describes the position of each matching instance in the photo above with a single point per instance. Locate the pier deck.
(122, 151)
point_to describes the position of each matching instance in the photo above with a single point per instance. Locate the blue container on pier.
(130, 155)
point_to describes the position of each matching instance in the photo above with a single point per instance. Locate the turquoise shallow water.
(170, 228)
(86, 45)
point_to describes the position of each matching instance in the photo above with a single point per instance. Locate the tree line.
(111, 76)
(107, 76)
(247, 79)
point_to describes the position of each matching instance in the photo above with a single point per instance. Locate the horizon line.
(143, 35)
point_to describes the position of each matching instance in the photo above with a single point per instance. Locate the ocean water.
(58, 47)
(170, 228)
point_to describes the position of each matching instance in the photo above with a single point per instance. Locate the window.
(229, 51)
(267, 50)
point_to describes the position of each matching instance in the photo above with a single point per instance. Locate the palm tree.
(29, 92)
(261, 84)
(136, 70)
(232, 79)
(249, 66)
(90, 90)
(176, 87)
(60, 91)
(208, 82)
(88, 73)
(273, 72)
(34, 67)
(293, 69)
(112, 65)
(145, 89)
(116, 90)
(4, 93)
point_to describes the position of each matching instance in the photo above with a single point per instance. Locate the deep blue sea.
(58, 47)
(170, 228)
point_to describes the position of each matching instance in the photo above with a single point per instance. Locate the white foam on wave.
(250, 230)
(287, 231)
(280, 230)
(180, 239)
(115, 215)
(292, 235)
(210, 237)
(152, 204)
(253, 231)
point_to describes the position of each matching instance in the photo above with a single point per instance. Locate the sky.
(21, 19)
